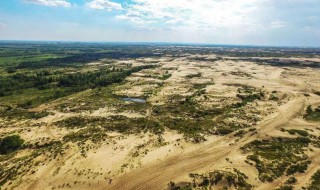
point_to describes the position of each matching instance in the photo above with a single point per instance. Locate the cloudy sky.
(245, 22)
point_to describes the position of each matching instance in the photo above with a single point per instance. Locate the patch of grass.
(185, 115)
(96, 127)
(201, 86)
(22, 114)
(76, 122)
(285, 187)
(312, 115)
(165, 76)
(235, 179)
(95, 134)
(241, 74)
(247, 95)
(245, 99)
(278, 156)
(240, 133)
(132, 125)
(194, 75)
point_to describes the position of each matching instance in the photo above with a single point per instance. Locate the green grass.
(22, 114)
(13, 61)
(76, 122)
(32, 97)
(95, 134)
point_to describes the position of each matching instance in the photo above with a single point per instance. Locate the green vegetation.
(22, 114)
(312, 115)
(96, 127)
(315, 181)
(201, 86)
(234, 179)
(273, 97)
(247, 94)
(165, 76)
(77, 122)
(196, 75)
(285, 187)
(89, 78)
(32, 74)
(182, 114)
(95, 134)
(63, 83)
(278, 156)
(186, 116)
(179, 113)
(291, 180)
(10, 144)
(299, 132)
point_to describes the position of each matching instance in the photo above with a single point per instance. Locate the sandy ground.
(137, 162)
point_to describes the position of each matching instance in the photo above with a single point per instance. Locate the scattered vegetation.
(278, 156)
(285, 187)
(234, 179)
(22, 114)
(247, 94)
(315, 181)
(95, 134)
(165, 76)
(299, 132)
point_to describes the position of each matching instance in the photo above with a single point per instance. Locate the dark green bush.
(10, 144)
(300, 132)
(291, 180)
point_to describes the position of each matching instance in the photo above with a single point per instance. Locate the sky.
(240, 22)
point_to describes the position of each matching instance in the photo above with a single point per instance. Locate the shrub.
(10, 144)
(312, 115)
(300, 132)
(291, 180)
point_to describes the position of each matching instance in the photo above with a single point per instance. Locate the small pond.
(138, 100)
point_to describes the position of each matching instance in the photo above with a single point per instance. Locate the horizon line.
(167, 43)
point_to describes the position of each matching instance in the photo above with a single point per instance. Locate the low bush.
(10, 144)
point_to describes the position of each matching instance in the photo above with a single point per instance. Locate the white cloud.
(104, 4)
(278, 24)
(50, 3)
(193, 14)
